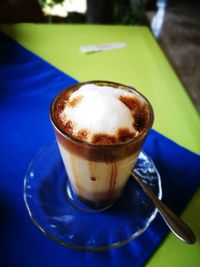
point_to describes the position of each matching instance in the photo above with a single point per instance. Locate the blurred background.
(174, 23)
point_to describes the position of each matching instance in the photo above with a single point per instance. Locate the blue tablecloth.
(27, 86)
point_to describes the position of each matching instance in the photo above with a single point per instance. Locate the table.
(143, 65)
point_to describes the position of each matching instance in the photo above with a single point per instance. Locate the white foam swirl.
(99, 111)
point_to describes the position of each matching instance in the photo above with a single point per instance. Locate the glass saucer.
(49, 208)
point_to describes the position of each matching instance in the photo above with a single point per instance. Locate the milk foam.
(99, 110)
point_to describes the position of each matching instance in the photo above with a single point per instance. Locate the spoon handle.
(176, 224)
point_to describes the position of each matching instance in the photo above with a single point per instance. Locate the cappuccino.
(100, 128)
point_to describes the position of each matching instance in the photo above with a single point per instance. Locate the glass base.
(67, 221)
(84, 204)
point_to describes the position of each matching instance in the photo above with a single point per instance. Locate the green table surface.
(143, 65)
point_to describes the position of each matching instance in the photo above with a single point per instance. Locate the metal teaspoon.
(176, 224)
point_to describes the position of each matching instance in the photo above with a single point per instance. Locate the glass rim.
(103, 82)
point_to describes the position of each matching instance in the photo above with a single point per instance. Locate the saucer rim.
(87, 248)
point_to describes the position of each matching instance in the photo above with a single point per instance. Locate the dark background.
(179, 38)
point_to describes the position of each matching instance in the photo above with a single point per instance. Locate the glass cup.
(98, 173)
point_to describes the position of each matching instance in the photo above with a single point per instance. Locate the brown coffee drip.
(112, 178)
(138, 109)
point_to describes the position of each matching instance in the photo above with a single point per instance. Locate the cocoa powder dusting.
(139, 111)
(61, 104)
(74, 102)
(141, 119)
(69, 127)
(124, 135)
(82, 134)
(131, 102)
(104, 139)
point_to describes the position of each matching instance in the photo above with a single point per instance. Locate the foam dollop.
(97, 114)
